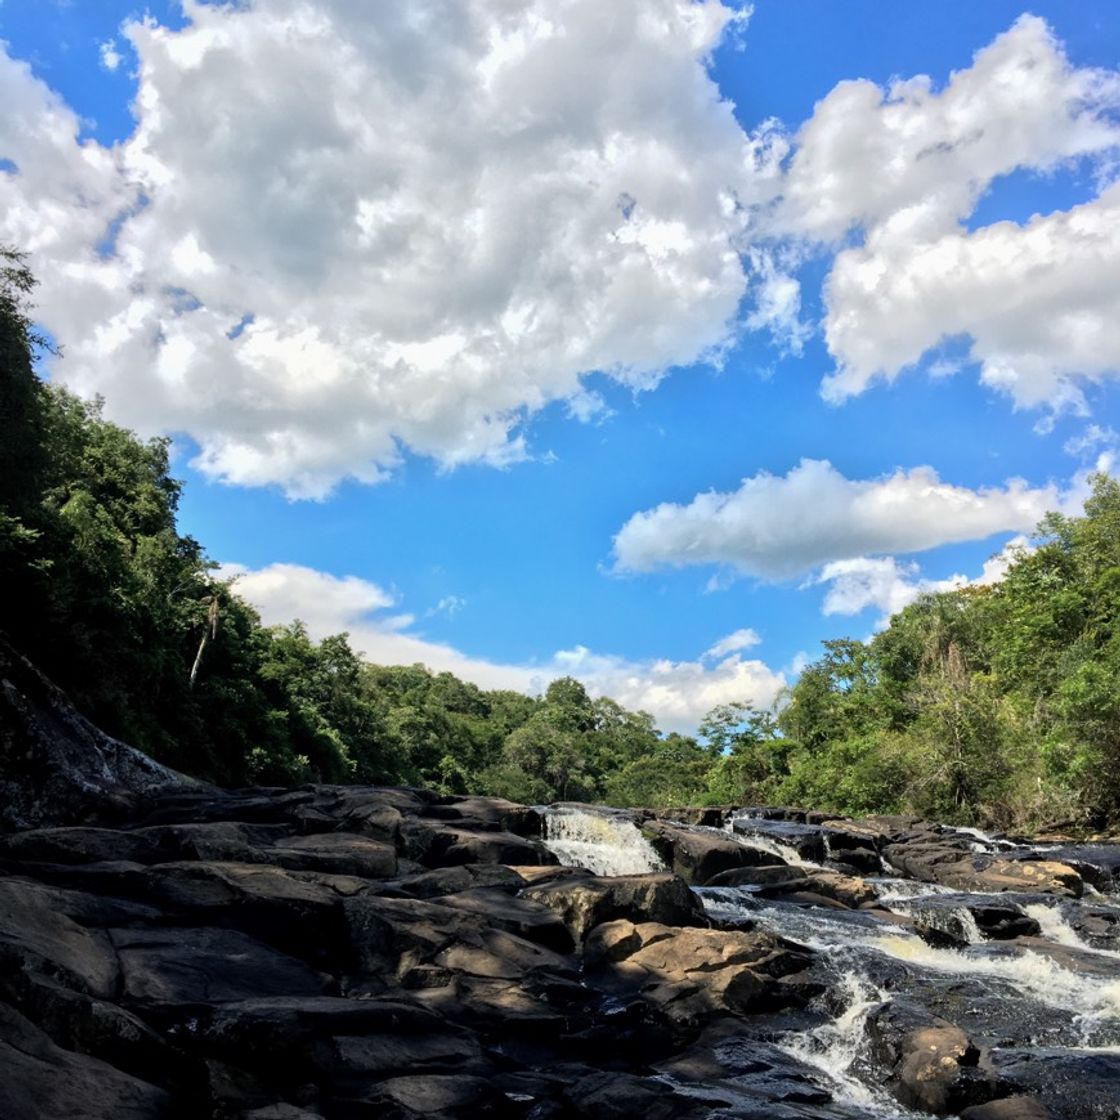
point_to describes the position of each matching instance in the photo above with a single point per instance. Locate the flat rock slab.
(583, 903)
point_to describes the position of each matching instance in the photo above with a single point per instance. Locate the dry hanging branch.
(211, 631)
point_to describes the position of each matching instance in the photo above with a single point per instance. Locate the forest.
(996, 705)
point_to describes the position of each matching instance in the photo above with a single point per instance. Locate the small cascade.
(782, 852)
(836, 1048)
(1054, 927)
(891, 890)
(604, 844)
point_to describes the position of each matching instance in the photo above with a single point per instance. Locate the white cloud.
(1040, 301)
(677, 693)
(733, 643)
(339, 228)
(884, 583)
(111, 58)
(775, 527)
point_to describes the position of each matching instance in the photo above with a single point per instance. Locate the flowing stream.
(1055, 990)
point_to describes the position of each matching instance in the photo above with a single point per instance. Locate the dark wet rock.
(821, 887)
(935, 1067)
(1097, 864)
(1010, 1108)
(43, 1081)
(495, 812)
(465, 877)
(199, 965)
(438, 844)
(765, 875)
(1097, 926)
(960, 919)
(336, 853)
(1071, 1085)
(442, 1095)
(586, 902)
(806, 840)
(949, 861)
(705, 817)
(56, 768)
(698, 856)
(37, 935)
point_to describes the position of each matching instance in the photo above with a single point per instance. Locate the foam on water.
(835, 1048)
(904, 890)
(1093, 1001)
(1054, 927)
(599, 843)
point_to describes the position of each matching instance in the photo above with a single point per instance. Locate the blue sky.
(528, 299)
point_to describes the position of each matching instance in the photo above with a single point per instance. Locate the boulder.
(586, 902)
(693, 973)
(805, 841)
(698, 856)
(1009, 1108)
(934, 1065)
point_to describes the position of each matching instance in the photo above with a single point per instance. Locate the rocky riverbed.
(172, 950)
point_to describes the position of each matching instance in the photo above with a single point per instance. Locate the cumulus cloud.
(341, 228)
(677, 693)
(776, 527)
(903, 169)
(886, 584)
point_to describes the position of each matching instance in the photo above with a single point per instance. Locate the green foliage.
(998, 704)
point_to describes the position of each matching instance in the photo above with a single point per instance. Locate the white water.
(1094, 1002)
(601, 844)
(1052, 922)
(835, 1047)
(904, 890)
(783, 853)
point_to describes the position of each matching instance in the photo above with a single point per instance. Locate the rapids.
(1055, 992)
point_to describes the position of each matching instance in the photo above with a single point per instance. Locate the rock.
(42, 1081)
(499, 814)
(692, 973)
(1069, 1084)
(56, 768)
(706, 817)
(163, 967)
(348, 1044)
(586, 902)
(1010, 1108)
(37, 935)
(935, 1066)
(947, 861)
(697, 857)
(436, 1095)
(451, 880)
(803, 840)
(766, 875)
(408, 939)
(961, 919)
(336, 853)
(844, 890)
(435, 844)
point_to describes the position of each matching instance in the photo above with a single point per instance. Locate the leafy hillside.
(997, 704)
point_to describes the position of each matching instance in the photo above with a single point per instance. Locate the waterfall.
(601, 843)
(836, 1047)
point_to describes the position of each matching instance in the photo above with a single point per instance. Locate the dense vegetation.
(999, 705)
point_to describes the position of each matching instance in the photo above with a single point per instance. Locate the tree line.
(996, 705)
